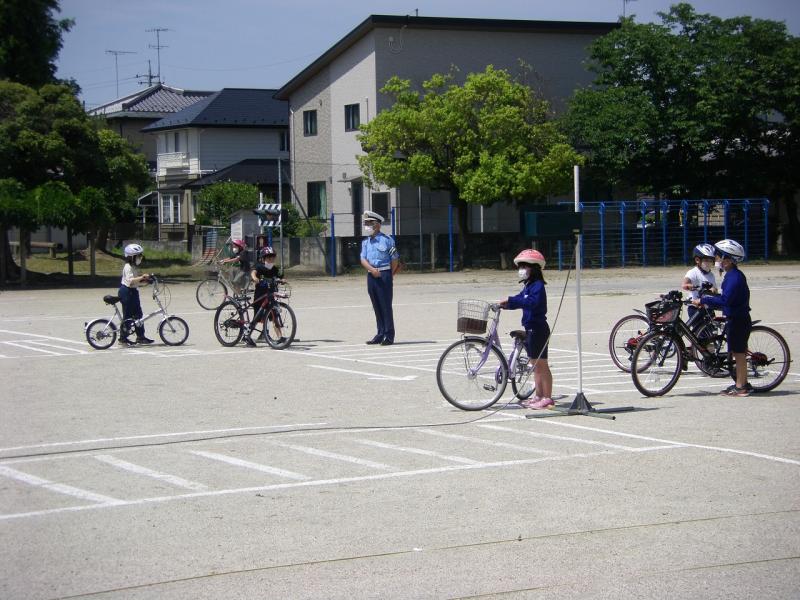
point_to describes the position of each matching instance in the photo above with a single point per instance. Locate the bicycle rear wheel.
(229, 323)
(173, 331)
(281, 326)
(768, 358)
(656, 363)
(211, 293)
(101, 334)
(625, 335)
(522, 384)
(468, 382)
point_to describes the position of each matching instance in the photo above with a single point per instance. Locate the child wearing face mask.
(701, 274)
(533, 302)
(129, 294)
(239, 250)
(263, 275)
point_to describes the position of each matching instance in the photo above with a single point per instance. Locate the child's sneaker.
(529, 402)
(249, 341)
(542, 404)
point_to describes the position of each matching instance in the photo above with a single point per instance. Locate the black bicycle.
(273, 320)
(661, 355)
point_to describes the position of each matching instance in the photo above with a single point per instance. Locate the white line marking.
(313, 483)
(558, 437)
(458, 459)
(140, 470)
(250, 465)
(335, 456)
(47, 337)
(370, 375)
(58, 487)
(232, 431)
(684, 444)
(24, 347)
(39, 343)
(475, 440)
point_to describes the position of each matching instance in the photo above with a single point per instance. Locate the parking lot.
(335, 469)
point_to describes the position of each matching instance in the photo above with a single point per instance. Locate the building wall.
(218, 148)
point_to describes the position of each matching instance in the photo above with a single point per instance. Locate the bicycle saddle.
(109, 299)
(518, 334)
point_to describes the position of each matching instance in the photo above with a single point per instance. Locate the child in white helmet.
(129, 294)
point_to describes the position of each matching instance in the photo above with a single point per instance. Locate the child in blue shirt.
(533, 302)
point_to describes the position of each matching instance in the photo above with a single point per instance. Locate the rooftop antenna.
(116, 54)
(149, 75)
(158, 47)
(625, 4)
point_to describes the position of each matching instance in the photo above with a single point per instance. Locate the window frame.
(310, 127)
(320, 200)
(352, 117)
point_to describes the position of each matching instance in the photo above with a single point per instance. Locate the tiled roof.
(230, 107)
(252, 170)
(157, 98)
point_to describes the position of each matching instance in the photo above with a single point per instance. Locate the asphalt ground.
(334, 469)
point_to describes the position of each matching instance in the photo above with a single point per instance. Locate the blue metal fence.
(663, 232)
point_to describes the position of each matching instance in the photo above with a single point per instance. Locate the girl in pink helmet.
(533, 302)
(239, 251)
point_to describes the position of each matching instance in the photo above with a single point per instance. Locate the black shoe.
(376, 340)
(143, 340)
(249, 341)
(126, 342)
(387, 342)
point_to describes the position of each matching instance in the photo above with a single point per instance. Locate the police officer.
(380, 258)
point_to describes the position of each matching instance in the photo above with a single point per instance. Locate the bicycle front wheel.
(656, 363)
(767, 358)
(712, 337)
(281, 326)
(471, 375)
(229, 323)
(625, 336)
(101, 334)
(173, 331)
(211, 293)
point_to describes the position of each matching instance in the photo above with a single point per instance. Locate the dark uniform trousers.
(380, 292)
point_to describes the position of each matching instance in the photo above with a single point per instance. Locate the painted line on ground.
(140, 470)
(238, 462)
(335, 456)
(481, 441)
(420, 451)
(60, 488)
(368, 375)
(559, 437)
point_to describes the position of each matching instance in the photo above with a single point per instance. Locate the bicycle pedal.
(489, 388)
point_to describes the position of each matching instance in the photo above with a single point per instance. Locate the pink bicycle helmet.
(239, 244)
(530, 257)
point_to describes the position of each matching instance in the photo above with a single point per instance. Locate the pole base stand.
(580, 406)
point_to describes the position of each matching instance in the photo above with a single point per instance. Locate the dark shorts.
(536, 342)
(738, 333)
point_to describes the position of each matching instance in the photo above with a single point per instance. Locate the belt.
(386, 268)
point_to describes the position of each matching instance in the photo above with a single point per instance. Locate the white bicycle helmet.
(133, 250)
(704, 251)
(730, 249)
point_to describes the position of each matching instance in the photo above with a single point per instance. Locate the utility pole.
(624, 4)
(116, 54)
(158, 47)
(149, 75)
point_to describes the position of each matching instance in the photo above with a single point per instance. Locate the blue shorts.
(536, 342)
(738, 333)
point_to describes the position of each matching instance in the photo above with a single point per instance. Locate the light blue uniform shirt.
(379, 250)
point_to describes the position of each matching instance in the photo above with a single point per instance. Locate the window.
(317, 199)
(170, 208)
(284, 142)
(380, 205)
(177, 141)
(310, 122)
(351, 117)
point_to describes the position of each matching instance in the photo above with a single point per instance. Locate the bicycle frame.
(493, 339)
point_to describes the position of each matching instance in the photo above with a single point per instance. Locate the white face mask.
(138, 260)
(236, 250)
(523, 273)
(269, 264)
(369, 230)
(705, 266)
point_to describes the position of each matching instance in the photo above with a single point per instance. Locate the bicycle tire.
(477, 391)
(101, 334)
(229, 323)
(768, 359)
(173, 331)
(281, 326)
(656, 363)
(522, 383)
(211, 293)
(620, 348)
(713, 332)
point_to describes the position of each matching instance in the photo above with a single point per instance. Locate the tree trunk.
(92, 249)
(70, 258)
(8, 268)
(462, 216)
(102, 239)
(23, 255)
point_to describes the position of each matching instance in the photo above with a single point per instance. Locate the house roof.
(252, 170)
(377, 21)
(230, 107)
(155, 101)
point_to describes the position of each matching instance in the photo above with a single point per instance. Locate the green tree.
(696, 106)
(218, 201)
(488, 140)
(30, 40)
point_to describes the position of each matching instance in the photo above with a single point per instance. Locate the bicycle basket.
(663, 312)
(472, 316)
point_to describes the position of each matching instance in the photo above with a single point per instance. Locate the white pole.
(575, 175)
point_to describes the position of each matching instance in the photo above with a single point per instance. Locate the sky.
(210, 45)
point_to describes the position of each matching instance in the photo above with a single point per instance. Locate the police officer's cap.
(372, 216)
